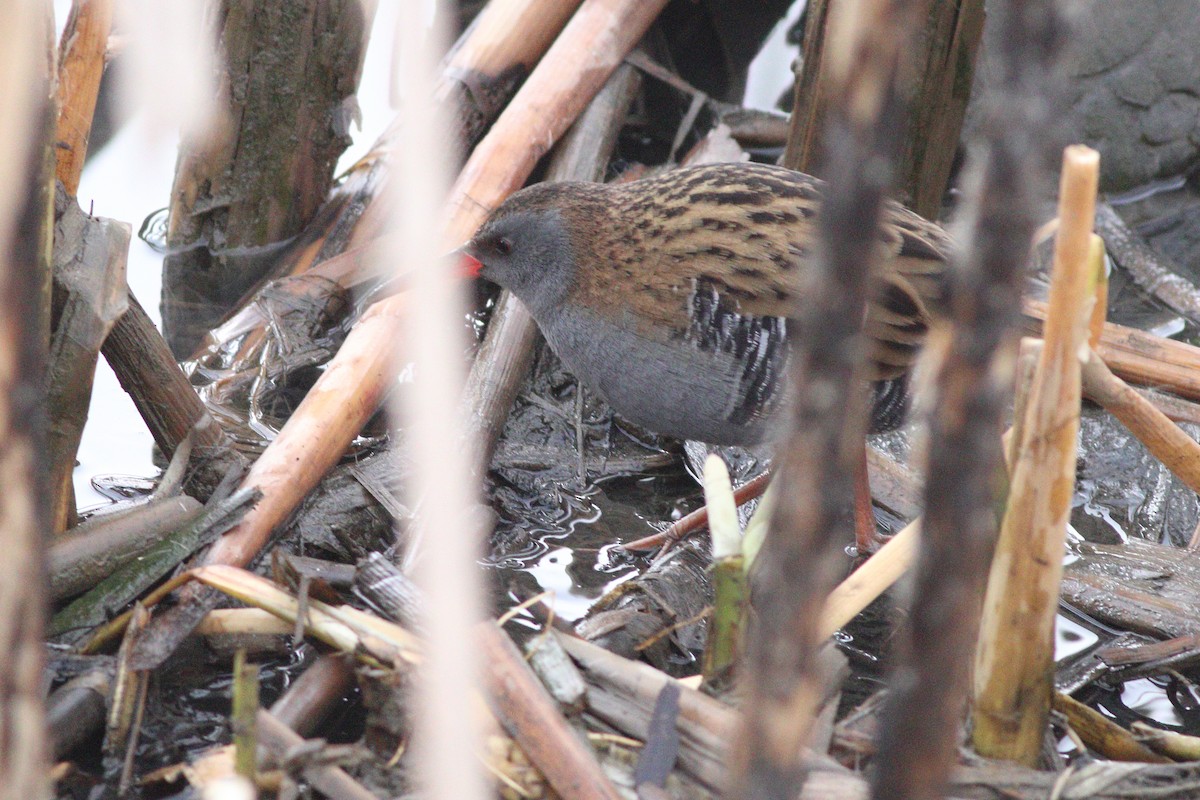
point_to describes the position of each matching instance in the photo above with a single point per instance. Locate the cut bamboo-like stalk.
(1177, 746)
(226, 621)
(573, 70)
(1014, 662)
(492, 50)
(80, 68)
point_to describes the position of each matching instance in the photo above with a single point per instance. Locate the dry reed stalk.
(870, 580)
(530, 716)
(316, 693)
(443, 484)
(1014, 662)
(89, 275)
(519, 700)
(697, 519)
(280, 741)
(492, 49)
(81, 62)
(167, 402)
(1103, 736)
(802, 556)
(1176, 408)
(349, 390)
(1176, 746)
(573, 70)
(24, 527)
(227, 621)
(503, 44)
(949, 46)
(1100, 307)
(1163, 438)
(809, 98)
(488, 56)
(1141, 357)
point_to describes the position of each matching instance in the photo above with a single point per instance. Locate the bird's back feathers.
(747, 233)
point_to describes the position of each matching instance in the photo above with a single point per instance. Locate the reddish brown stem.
(698, 519)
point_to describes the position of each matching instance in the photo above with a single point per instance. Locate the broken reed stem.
(167, 401)
(697, 519)
(573, 70)
(1102, 736)
(802, 554)
(245, 711)
(939, 85)
(949, 45)
(280, 741)
(1014, 662)
(89, 282)
(809, 97)
(1165, 440)
(490, 51)
(81, 60)
(1140, 357)
(528, 713)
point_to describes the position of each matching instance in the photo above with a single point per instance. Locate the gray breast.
(719, 381)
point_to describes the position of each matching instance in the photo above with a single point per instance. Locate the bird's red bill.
(468, 265)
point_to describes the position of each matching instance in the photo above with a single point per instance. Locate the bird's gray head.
(527, 245)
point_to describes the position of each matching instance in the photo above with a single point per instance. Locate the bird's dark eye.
(504, 246)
